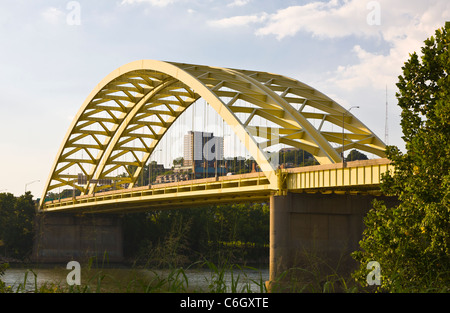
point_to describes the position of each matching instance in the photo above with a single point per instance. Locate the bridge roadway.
(357, 177)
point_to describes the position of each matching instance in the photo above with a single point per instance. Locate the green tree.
(3, 287)
(16, 224)
(355, 155)
(411, 240)
(7, 202)
(191, 234)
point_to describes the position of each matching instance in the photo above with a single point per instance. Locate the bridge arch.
(127, 114)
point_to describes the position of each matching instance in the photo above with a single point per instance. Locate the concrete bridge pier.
(312, 237)
(64, 237)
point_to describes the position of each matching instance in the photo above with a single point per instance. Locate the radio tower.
(386, 128)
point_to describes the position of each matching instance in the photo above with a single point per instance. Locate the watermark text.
(74, 276)
(374, 277)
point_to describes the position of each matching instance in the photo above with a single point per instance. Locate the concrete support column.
(313, 235)
(279, 255)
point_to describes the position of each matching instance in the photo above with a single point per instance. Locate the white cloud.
(404, 29)
(403, 26)
(53, 15)
(322, 19)
(375, 70)
(238, 3)
(236, 21)
(156, 3)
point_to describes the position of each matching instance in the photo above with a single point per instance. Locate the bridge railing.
(356, 175)
(353, 177)
(242, 182)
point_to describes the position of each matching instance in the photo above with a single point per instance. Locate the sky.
(54, 52)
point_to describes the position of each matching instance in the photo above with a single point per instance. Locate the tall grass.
(226, 279)
(229, 278)
(3, 267)
(317, 277)
(301, 280)
(223, 278)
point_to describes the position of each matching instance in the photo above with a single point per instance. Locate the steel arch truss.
(126, 115)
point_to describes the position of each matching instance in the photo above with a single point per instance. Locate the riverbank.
(8, 260)
(209, 278)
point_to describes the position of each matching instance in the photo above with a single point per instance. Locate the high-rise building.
(203, 153)
(203, 147)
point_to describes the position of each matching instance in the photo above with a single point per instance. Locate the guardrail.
(367, 173)
(357, 176)
(250, 182)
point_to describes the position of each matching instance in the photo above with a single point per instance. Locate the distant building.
(203, 154)
(202, 146)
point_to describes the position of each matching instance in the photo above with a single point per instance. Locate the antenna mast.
(386, 128)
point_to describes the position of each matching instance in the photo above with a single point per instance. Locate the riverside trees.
(217, 233)
(411, 241)
(16, 225)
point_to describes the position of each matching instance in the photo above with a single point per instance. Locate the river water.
(123, 279)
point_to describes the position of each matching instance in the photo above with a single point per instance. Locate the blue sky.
(55, 52)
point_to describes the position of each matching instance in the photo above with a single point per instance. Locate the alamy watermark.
(212, 146)
(73, 17)
(374, 277)
(374, 16)
(209, 147)
(74, 276)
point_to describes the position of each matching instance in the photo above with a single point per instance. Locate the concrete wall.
(67, 237)
(316, 232)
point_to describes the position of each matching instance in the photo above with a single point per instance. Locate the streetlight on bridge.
(30, 184)
(150, 167)
(343, 136)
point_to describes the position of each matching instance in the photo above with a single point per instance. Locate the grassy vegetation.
(98, 277)
(225, 279)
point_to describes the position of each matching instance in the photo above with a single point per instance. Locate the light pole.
(30, 184)
(150, 168)
(343, 136)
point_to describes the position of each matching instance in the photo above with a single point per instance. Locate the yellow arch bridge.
(127, 114)
(125, 117)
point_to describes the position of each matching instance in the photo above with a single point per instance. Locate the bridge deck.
(357, 177)
(223, 189)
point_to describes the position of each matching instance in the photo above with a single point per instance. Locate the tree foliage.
(233, 233)
(16, 225)
(355, 155)
(411, 240)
